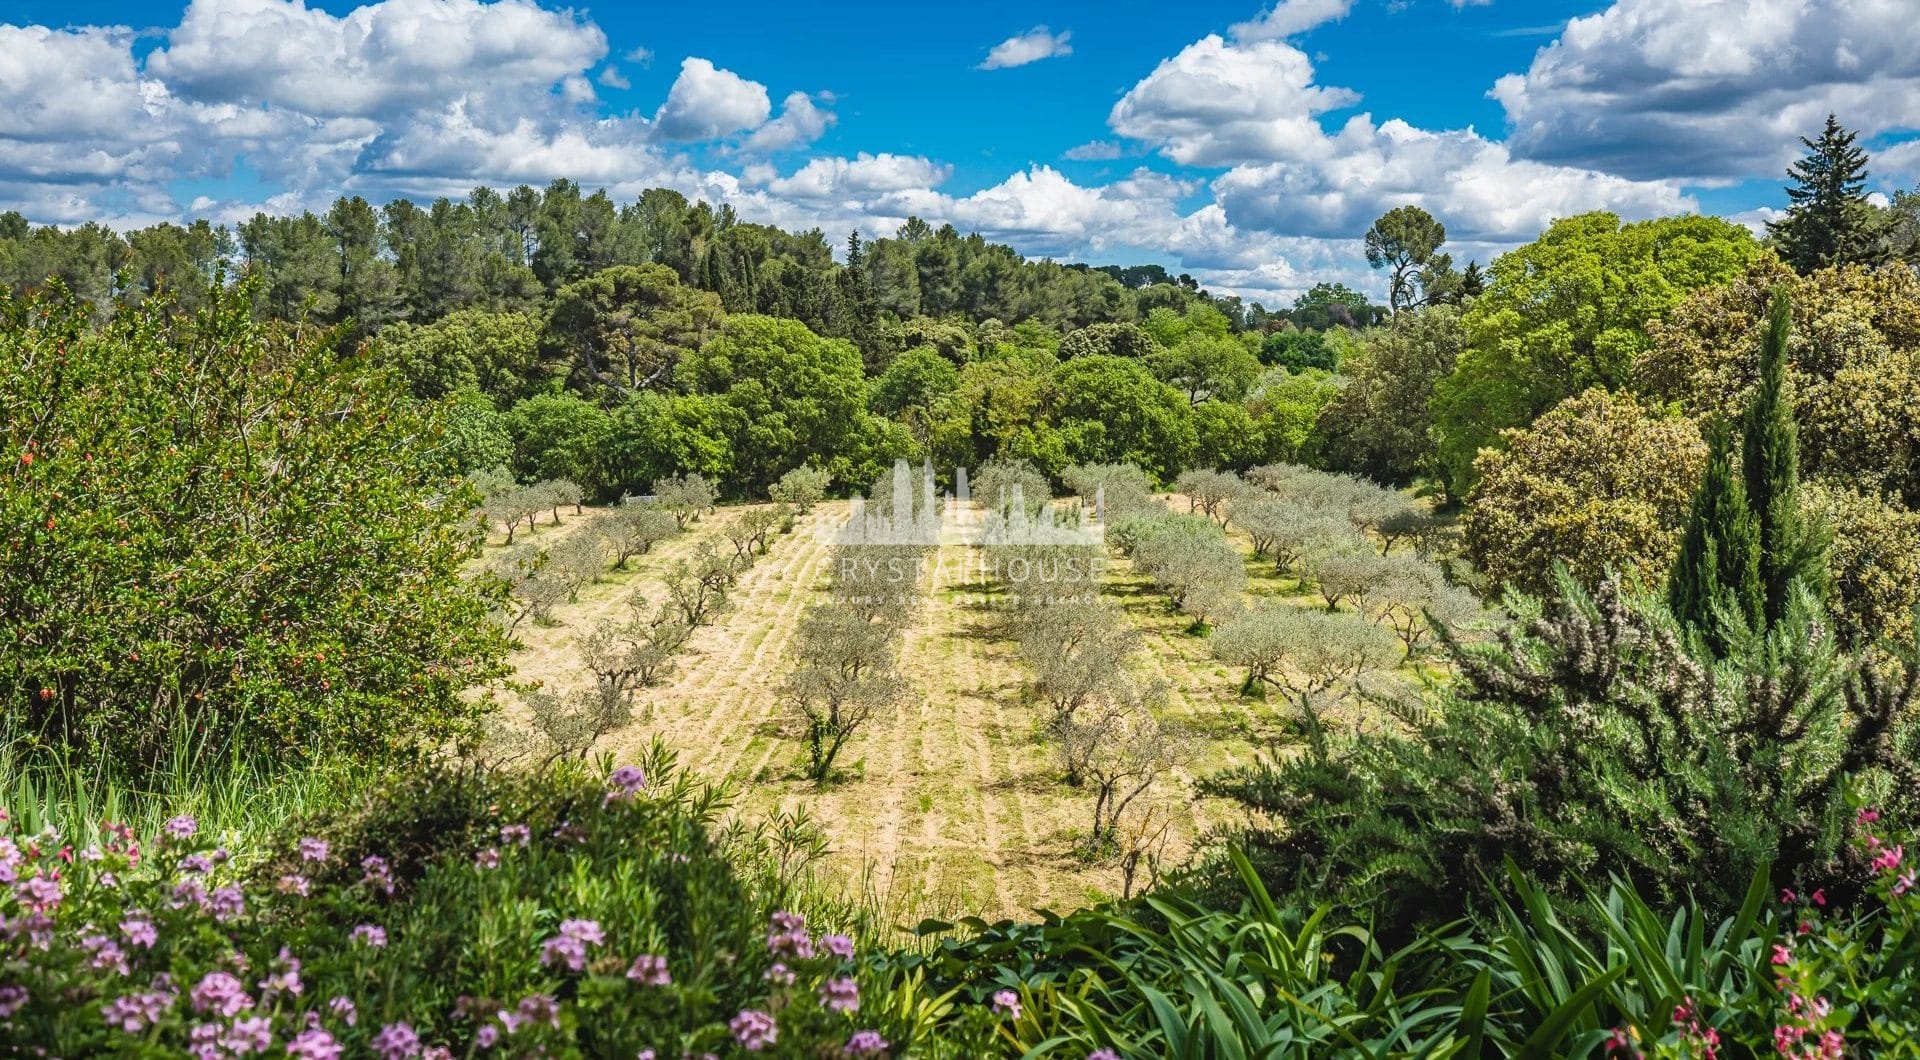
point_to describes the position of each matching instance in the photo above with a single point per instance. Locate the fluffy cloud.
(706, 103)
(1290, 17)
(1029, 47)
(1254, 106)
(398, 55)
(801, 122)
(859, 179)
(1217, 103)
(1712, 89)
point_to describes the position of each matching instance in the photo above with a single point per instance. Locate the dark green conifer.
(1719, 562)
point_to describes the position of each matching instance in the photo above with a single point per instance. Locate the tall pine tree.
(1792, 549)
(1830, 221)
(1719, 562)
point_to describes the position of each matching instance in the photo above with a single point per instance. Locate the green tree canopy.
(794, 394)
(626, 327)
(559, 436)
(1111, 410)
(469, 349)
(1404, 241)
(1567, 312)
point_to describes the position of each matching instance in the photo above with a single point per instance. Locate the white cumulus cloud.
(1713, 89)
(707, 103)
(1029, 47)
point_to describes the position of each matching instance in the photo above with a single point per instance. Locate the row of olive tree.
(846, 647)
(636, 650)
(1103, 721)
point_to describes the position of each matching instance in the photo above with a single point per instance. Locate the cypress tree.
(1791, 548)
(1719, 561)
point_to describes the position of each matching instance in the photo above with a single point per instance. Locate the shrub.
(554, 913)
(221, 527)
(1593, 737)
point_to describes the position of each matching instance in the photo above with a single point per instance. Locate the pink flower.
(486, 1036)
(227, 903)
(570, 946)
(182, 827)
(587, 931)
(1103, 1054)
(515, 834)
(1889, 859)
(1782, 955)
(312, 849)
(197, 864)
(371, 934)
(839, 945)
(538, 1008)
(134, 1012)
(779, 975)
(139, 931)
(627, 781)
(220, 994)
(649, 970)
(1868, 816)
(343, 1008)
(869, 1043)
(754, 1030)
(1007, 1003)
(487, 859)
(249, 1035)
(840, 995)
(396, 1041)
(1820, 898)
(1787, 896)
(285, 978)
(105, 954)
(294, 884)
(40, 893)
(12, 998)
(377, 875)
(314, 1044)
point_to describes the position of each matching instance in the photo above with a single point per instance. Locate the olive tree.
(697, 587)
(1411, 595)
(1310, 655)
(635, 651)
(1076, 650)
(1119, 749)
(845, 671)
(802, 488)
(632, 529)
(686, 496)
(1344, 571)
(1189, 559)
(1210, 492)
(999, 481)
(1121, 489)
(560, 492)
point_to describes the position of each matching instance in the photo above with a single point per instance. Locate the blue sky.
(1247, 144)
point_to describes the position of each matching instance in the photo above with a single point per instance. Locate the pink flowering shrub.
(595, 926)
